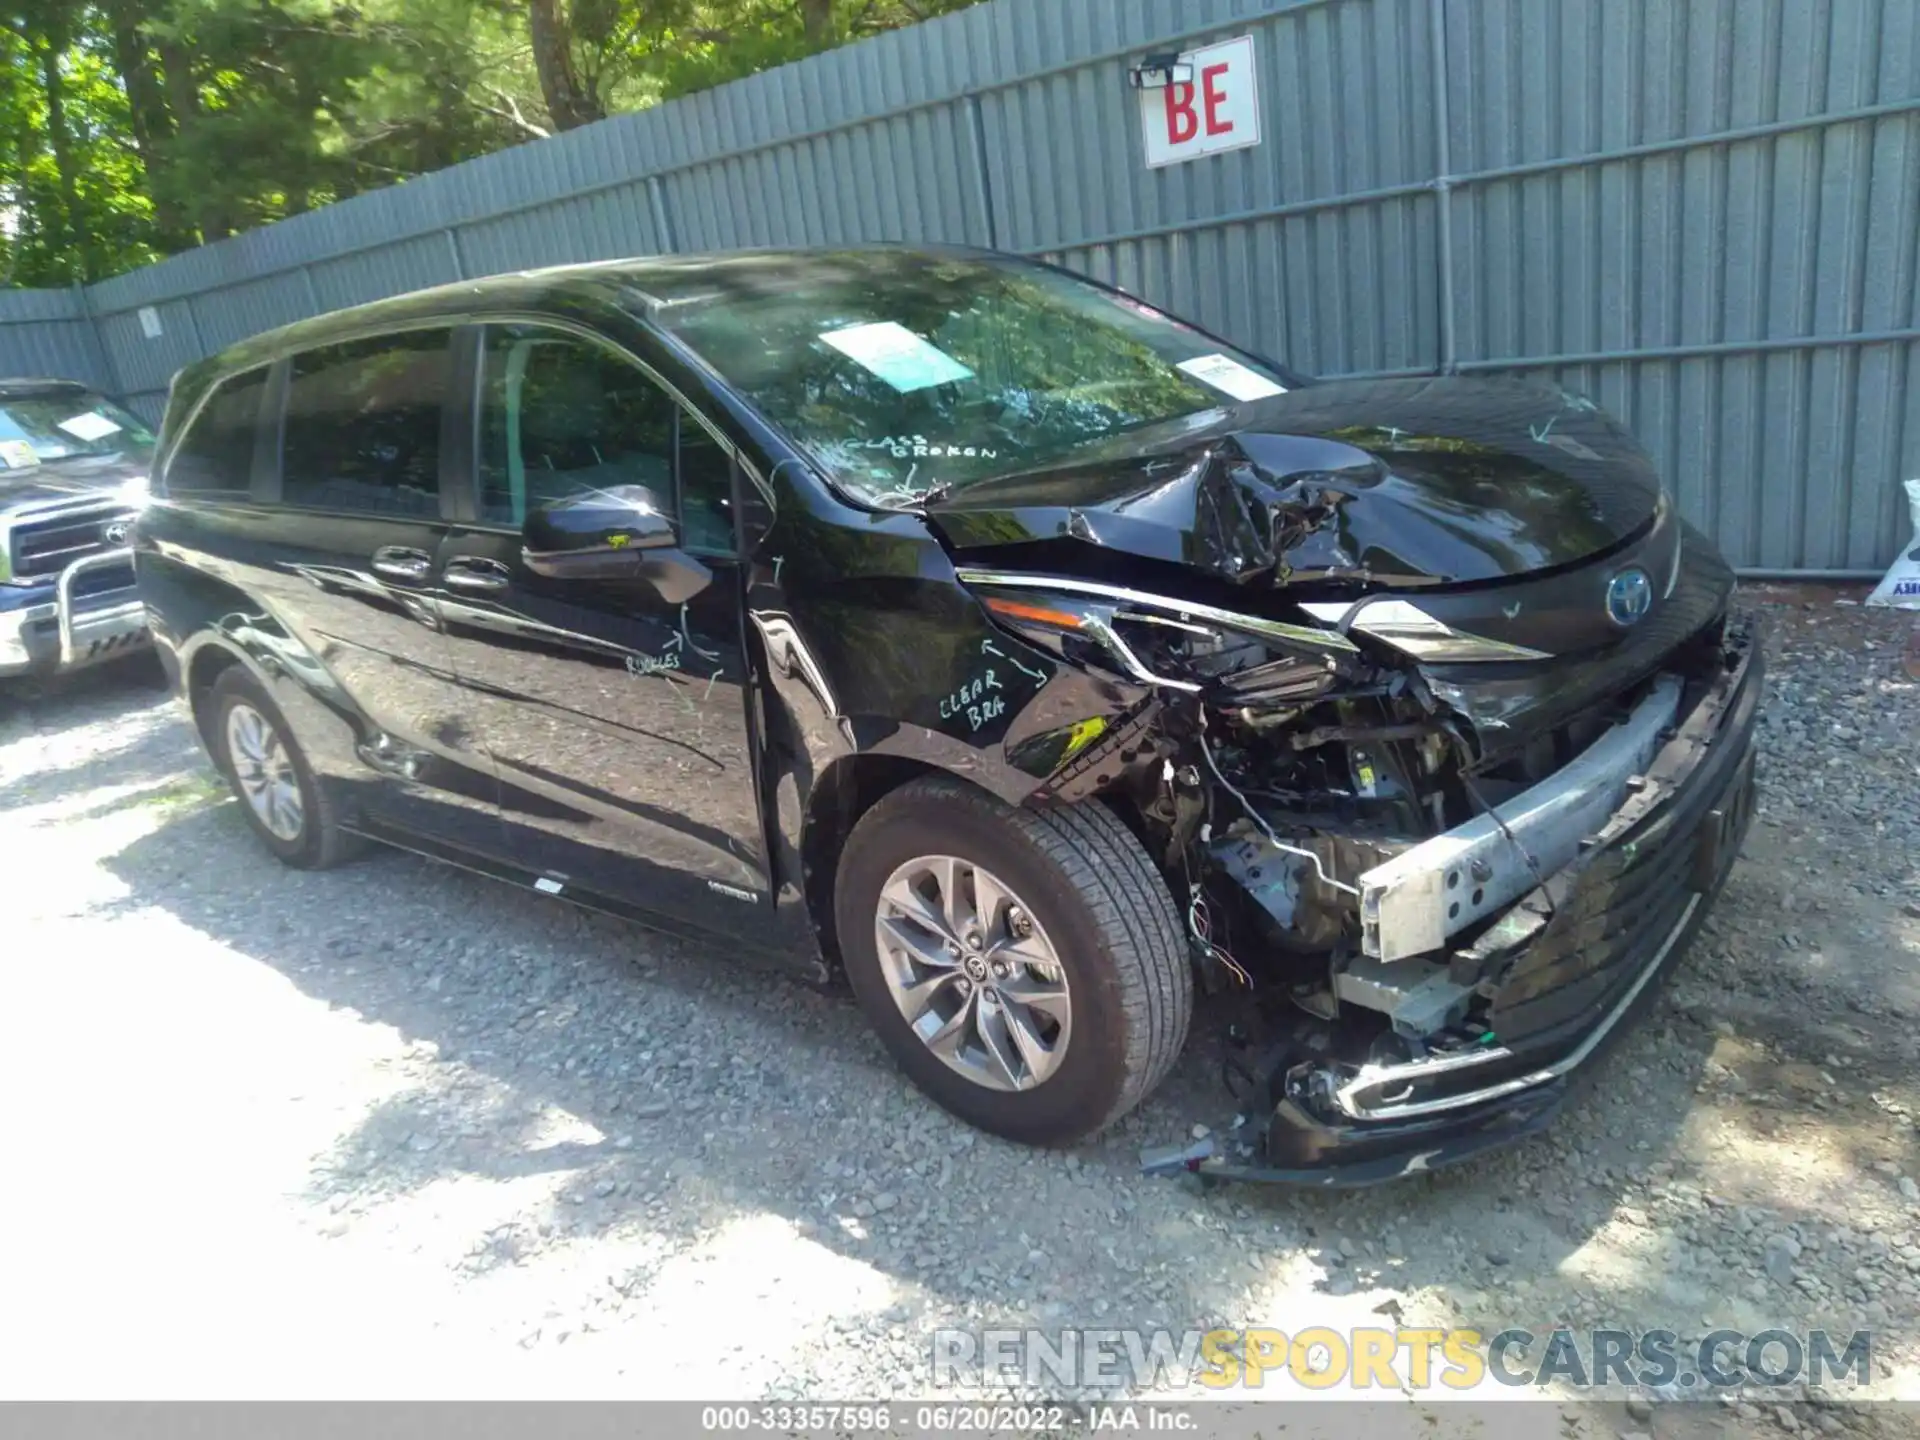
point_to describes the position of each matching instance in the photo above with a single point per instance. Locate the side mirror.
(619, 533)
(598, 535)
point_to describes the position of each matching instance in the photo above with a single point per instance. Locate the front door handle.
(475, 573)
(398, 562)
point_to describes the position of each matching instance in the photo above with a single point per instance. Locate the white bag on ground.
(1901, 587)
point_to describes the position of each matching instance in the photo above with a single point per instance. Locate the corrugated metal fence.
(50, 332)
(1706, 213)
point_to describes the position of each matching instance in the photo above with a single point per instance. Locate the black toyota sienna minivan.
(980, 634)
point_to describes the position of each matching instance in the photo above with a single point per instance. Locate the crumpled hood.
(68, 480)
(1421, 482)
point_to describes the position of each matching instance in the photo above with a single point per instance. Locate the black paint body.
(685, 737)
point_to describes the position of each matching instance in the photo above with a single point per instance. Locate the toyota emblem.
(1629, 596)
(115, 533)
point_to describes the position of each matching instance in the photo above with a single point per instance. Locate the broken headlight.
(1155, 639)
(1411, 630)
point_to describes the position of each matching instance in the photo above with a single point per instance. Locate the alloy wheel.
(265, 772)
(973, 972)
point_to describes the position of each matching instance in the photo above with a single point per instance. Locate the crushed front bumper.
(81, 619)
(1563, 971)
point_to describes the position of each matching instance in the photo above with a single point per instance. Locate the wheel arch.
(199, 669)
(851, 786)
(320, 719)
(844, 791)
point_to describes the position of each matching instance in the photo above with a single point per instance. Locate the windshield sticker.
(897, 355)
(915, 447)
(1231, 377)
(89, 425)
(18, 454)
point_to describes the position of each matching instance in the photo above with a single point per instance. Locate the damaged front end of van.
(1438, 720)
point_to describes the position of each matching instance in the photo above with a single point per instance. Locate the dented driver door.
(615, 710)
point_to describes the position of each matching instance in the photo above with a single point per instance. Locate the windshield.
(905, 374)
(65, 422)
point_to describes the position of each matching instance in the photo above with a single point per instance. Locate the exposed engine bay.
(1358, 850)
(1433, 712)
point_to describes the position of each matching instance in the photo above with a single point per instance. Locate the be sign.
(1219, 109)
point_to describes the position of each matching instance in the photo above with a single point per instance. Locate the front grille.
(1623, 902)
(1595, 946)
(106, 581)
(1575, 948)
(41, 546)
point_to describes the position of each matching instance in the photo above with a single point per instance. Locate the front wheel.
(1025, 967)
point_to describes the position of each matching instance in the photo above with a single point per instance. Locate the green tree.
(133, 129)
(74, 203)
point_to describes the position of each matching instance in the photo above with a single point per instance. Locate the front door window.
(562, 416)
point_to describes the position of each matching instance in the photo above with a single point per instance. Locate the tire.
(317, 842)
(1086, 888)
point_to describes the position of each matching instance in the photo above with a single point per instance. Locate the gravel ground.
(396, 1129)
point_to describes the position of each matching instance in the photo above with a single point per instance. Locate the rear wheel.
(1024, 967)
(255, 749)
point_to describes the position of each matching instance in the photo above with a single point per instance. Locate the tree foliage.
(130, 129)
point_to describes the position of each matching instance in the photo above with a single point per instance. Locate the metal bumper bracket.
(1415, 902)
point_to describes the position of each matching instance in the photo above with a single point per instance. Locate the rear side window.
(216, 453)
(362, 429)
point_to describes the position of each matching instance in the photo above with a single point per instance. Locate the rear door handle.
(398, 562)
(475, 573)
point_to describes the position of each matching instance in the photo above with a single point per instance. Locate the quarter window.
(563, 416)
(362, 426)
(216, 453)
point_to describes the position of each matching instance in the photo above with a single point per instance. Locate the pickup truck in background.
(73, 475)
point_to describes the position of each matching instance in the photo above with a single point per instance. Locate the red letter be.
(1182, 123)
(1216, 97)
